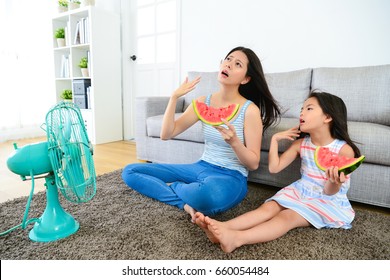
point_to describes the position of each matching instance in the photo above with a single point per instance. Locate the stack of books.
(81, 35)
(64, 71)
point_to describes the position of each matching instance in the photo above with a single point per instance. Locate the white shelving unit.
(103, 117)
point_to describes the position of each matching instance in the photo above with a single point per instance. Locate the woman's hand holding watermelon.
(229, 133)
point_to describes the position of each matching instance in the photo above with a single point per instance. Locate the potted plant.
(62, 5)
(59, 34)
(66, 95)
(73, 4)
(83, 64)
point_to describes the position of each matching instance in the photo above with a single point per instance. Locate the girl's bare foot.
(190, 211)
(223, 235)
(199, 220)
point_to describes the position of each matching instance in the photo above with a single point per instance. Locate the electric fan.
(66, 157)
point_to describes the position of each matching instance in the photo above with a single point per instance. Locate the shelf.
(78, 78)
(64, 79)
(100, 37)
(66, 48)
(76, 12)
(81, 46)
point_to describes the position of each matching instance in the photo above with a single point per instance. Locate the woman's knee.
(215, 203)
(127, 170)
(129, 173)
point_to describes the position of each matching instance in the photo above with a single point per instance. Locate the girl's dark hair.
(257, 89)
(334, 106)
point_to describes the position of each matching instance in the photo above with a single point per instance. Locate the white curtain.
(26, 67)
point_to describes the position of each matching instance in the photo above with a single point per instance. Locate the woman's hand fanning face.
(186, 87)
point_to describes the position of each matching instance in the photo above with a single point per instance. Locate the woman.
(218, 181)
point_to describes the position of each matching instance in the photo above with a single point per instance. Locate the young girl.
(218, 181)
(318, 198)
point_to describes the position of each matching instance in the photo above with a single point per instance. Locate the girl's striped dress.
(306, 195)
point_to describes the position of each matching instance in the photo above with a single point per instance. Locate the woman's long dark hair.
(334, 106)
(257, 89)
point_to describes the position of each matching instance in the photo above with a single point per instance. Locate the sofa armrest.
(146, 107)
(150, 106)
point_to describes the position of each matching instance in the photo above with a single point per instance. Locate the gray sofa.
(365, 90)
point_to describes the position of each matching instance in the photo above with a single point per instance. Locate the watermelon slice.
(213, 116)
(325, 158)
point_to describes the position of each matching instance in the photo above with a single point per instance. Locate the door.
(153, 54)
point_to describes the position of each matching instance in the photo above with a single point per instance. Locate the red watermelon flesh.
(325, 158)
(213, 116)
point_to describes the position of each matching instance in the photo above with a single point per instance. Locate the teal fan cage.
(65, 162)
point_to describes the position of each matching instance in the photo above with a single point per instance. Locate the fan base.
(55, 223)
(47, 233)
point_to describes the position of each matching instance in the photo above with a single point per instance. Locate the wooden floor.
(107, 157)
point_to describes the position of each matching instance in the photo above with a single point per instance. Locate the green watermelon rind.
(228, 118)
(347, 169)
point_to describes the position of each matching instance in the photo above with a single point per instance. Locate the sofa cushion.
(284, 124)
(372, 140)
(290, 89)
(194, 133)
(208, 84)
(365, 90)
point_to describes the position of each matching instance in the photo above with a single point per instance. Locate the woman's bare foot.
(223, 235)
(199, 220)
(190, 211)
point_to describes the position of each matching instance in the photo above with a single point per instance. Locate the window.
(156, 31)
(26, 68)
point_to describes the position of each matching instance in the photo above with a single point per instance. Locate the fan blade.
(70, 153)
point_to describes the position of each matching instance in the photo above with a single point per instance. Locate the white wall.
(112, 5)
(286, 34)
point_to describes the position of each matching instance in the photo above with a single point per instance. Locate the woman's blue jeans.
(207, 188)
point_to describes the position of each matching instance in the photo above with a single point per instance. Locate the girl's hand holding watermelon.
(335, 180)
(332, 173)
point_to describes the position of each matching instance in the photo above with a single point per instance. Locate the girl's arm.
(277, 163)
(249, 153)
(171, 127)
(333, 185)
